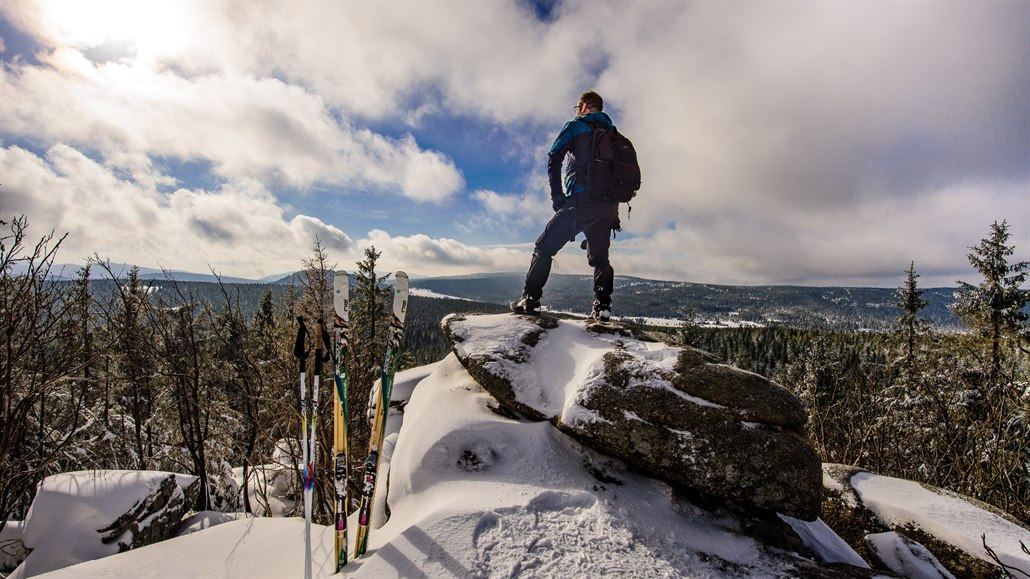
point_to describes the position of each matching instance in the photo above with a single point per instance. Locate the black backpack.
(613, 172)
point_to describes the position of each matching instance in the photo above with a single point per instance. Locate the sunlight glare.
(154, 29)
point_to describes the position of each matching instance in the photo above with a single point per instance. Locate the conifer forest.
(112, 371)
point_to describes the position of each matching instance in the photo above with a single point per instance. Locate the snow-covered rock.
(916, 530)
(674, 413)
(477, 492)
(905, 557)
(80, 516)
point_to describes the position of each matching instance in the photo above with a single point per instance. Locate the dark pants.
(586, 214)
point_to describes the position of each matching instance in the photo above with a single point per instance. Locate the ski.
(341, 325)
(300, 350)
(382, 408)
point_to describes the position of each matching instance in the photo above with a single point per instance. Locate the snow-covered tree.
(997, 407)
(995, 307)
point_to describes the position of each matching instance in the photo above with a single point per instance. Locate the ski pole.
(301, 352)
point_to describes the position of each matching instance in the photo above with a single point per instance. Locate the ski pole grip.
(327, 342)
(299, 349)
(319, 330)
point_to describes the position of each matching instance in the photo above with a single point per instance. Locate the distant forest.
(840, 308)
(423, 341)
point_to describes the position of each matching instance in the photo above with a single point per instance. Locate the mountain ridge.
(845, 307)
(634, 297)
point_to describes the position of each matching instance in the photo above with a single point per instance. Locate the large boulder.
(674, 413)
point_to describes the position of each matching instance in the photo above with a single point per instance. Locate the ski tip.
(401, 280)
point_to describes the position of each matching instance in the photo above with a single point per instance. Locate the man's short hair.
(592, 100)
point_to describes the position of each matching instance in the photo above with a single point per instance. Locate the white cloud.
(426, 175)
(527, 211)
(379, 60)
(239, 229)
(786, 142)
(872, 245)
(419, 253)
(242, 125)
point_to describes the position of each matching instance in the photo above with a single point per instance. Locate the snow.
(498, 497)
(473, 493)
(959, 522)
(249, 548)
(558, 374)
(824, 541)
(908, 559)
(11, 549)
(62, 525)
(830, 483)
(426, 293)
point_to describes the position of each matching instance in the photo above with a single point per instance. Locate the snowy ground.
(476, 494)
(427, 293)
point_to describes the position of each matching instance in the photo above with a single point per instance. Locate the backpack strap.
(596, 125)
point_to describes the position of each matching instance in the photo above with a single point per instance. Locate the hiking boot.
(526, 305)
(601, 312)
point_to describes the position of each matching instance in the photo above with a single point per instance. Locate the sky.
(811, 143)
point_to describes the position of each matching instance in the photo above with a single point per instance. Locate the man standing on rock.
(575, 211)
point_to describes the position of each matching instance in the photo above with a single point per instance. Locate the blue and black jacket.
(574, 143)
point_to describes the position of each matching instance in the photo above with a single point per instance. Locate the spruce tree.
(369, 324)
(909, 298)
(995, 308)
(689, 332)
(76, 342)
(996, 416)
